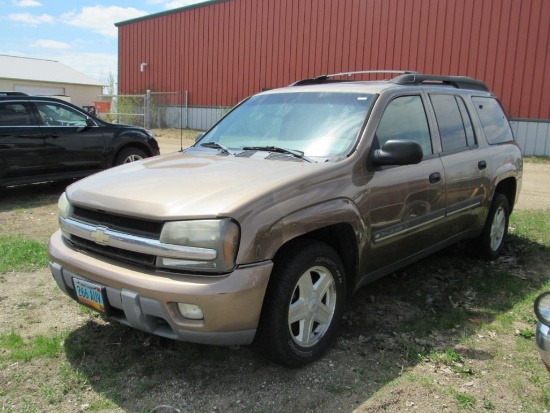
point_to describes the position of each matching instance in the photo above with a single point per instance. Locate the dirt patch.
(535, 191)
(374, 366)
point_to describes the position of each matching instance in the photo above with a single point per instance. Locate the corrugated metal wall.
(224, 51)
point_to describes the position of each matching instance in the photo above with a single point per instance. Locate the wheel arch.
(507, 187)
(342, 239)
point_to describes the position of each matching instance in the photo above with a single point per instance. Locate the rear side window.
(455, 127)
(14, 114)
(493, 120)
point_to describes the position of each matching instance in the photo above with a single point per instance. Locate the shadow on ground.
(389, 326)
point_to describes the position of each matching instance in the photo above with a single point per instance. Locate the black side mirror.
(89, 123)
(398, 152)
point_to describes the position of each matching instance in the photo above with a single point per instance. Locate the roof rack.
(328, 78)
(406, 77)
(459, 82)
(2, 93)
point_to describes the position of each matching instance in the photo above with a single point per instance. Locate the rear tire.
(128, 155)
(491, 241)
(304, 303)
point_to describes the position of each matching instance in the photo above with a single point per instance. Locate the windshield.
(318, 124)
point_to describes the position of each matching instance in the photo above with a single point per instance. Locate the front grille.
(117, 253)
(134, 226)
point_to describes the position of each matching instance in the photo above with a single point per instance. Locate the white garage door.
(40, 90)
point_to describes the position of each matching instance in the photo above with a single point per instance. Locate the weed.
(464, 401)
(528, 334)
(488, 404)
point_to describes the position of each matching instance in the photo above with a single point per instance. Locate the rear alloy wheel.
(129, 155)
(304, 303)
(491, 240)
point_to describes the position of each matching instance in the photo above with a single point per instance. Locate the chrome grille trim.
(135, 243)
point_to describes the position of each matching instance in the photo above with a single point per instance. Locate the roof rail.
(459, 82)
(327, 78)
(9, 93)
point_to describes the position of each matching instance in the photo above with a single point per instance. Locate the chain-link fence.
(150, 110)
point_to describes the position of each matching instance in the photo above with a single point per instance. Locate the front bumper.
(147, 300)
(542, 338)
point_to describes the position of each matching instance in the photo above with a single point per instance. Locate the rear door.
(21, 144)
(465, 165)
(72, 147)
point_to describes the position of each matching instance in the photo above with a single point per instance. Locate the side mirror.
(199, 137)
(398, 152)
(89, 123)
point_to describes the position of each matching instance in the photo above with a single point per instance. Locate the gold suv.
(262, 230)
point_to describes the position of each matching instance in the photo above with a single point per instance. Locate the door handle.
(482, 165)
(435, 177)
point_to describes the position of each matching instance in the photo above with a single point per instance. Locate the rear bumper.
(147, 300)
(543, 343)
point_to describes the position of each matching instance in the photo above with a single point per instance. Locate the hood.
(183, 185)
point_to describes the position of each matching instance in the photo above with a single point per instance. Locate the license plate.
(90, 294)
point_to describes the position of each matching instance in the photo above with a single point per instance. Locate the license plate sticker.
(90, 294)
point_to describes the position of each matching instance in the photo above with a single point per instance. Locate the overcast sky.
(78, 33)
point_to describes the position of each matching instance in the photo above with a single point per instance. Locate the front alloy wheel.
(312, 306)
(304, 303)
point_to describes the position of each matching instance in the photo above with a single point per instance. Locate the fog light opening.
(190, 311)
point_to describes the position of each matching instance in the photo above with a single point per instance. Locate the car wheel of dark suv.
(129, 155)
(491, 240)
(304, 303)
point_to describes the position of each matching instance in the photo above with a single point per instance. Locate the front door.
(71, 145)
(404, 205)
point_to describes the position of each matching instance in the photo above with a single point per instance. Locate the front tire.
(128, 155)
(304, 303)
(491, 240)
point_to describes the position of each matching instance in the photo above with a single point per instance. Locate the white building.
(47, 77)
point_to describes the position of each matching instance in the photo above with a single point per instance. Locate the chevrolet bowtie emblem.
(100, 236)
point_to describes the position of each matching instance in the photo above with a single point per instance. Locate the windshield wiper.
(293, 152)
(217, 145)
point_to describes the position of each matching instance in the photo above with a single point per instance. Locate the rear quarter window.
(493, 120)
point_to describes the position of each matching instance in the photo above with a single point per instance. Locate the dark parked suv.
(298, 197)
(48, 139)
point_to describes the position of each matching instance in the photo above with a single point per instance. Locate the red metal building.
(223, 51)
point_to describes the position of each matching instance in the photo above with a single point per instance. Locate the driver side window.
(53, 114)
(405, 118)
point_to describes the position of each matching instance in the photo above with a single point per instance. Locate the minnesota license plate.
(90, 294)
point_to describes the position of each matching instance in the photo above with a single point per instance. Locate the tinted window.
(450, 122)
(467, 121)
(494, 122)
(405, 118)
(54, 114)
(14, 114)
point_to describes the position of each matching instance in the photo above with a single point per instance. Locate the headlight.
(64, 208)
(218, 239)
(542, 308)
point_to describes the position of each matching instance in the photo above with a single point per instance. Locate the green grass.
(537, 159)
(534, 225)
(21, 254)
(20, 350)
